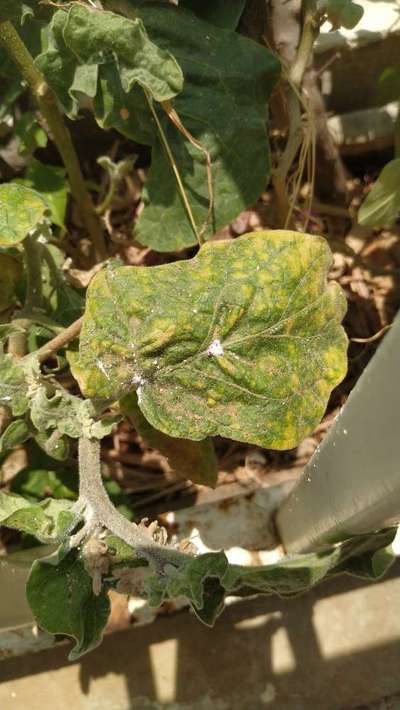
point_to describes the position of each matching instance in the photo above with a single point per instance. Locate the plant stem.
(175, 170)
(309, 34)
(60, 340)
(17, 342)
(100, 512)
(33, 263)
(48, 106)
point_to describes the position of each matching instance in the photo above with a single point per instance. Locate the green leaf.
(343, 13)
(205, 580)
(98, 37)
(48, 520)
(13, 386)
(228, 80)
(67, 414)
(218, 12)
(59, 592)
(381, 207)
(21, 210)
(16, 433)
(50, 181)
(244, 340)
(53, 444)
(83, 41)
(10, 273)
(30, 133)
(40, 483)
(195, 460)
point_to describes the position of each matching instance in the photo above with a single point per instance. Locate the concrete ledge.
(335, 648)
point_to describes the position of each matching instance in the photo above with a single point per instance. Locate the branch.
(48, 106)
(98, 511)
(60, 340)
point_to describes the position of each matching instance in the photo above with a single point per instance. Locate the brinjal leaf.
(244, 340)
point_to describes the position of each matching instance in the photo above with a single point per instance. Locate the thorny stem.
(99, 512)
(175, 170)
(48, 106)
(60, 340)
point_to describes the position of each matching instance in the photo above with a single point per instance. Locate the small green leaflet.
(21, 210)
(244, 340)
(60, 594)
(381, 207)
(16, 433)
(13, 385)
(48, 520)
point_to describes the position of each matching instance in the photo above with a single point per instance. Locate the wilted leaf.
(21, 210)
(48, 520)
(206, 580)
(195, 460)
(243, 341)
(60, 595)
(13, 386)
(84, 41)
(228, 80)
(10, 272)
(381, 207)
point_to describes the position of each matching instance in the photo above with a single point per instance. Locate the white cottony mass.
(215, 348)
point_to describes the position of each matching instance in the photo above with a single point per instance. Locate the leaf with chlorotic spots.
(21, 210)
(243, 341)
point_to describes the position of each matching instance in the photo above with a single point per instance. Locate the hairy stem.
(48, 107)
(100, 512)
